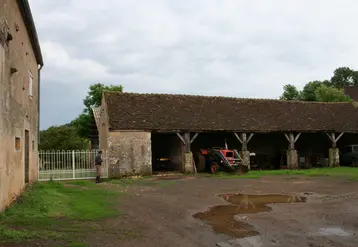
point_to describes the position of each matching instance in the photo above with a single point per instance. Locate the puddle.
(222, 218)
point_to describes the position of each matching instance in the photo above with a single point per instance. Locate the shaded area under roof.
(164, 112)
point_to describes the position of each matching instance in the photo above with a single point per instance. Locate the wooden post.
(292, 139)
(186, 140)
(243, 140)
(333, 138)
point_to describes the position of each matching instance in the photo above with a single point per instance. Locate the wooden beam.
(187, 141)
(238, 137)
(334, 139)
(330, 137)
(339, 137)
(250, 136)
(194, 137)
(292, 139)
(298, 136)
(244, 142)
(181, 138)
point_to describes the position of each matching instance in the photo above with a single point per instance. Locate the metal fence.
(68, 165)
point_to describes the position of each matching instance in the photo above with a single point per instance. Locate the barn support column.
(334, 151)
(292, 158)
(188, 161)
(245, 154)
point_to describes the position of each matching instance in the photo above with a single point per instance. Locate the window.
(33, 145)
(31, 78)
(17, 143)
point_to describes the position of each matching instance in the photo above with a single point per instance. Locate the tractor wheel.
(214, 167)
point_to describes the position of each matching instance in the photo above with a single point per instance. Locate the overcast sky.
(241, 48)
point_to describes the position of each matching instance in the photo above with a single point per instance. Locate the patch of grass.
(48, 210)
(338, 171)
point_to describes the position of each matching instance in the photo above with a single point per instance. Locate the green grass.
(56, 210)
(338, 171)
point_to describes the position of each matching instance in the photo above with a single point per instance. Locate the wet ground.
(226, 218)
(270, 211)
(205, 211)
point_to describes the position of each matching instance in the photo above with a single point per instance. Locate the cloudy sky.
(240, 48)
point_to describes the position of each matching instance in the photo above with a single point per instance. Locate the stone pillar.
(188, 166)
(333, 157)
(245, 155)
(292, 159)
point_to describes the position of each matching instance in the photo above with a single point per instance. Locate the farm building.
(140, 129)
(20, 65)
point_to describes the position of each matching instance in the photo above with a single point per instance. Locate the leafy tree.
(93, 99)
(344, 76)
(63, 137)
(309, 90)
(330, 94)
(290, 93)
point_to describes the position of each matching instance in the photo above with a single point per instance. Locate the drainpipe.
(38, 103)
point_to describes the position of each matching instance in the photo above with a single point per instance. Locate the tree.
(94, 97)
(344, 76)
(330, 94)
(290, 93)
(83, 122)
(63, 137)
(309, 90)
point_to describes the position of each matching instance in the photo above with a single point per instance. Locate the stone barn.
(139, 130)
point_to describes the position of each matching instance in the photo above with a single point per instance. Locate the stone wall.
(18, 110)
(129, 153)
(103, 130)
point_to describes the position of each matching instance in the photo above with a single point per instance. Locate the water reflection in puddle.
(222, 218)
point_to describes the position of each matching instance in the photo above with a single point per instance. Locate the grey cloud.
(233, 48)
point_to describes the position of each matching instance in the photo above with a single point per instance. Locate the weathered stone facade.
(18, 104)
(129, 153)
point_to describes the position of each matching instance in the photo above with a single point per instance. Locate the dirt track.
(163, 215)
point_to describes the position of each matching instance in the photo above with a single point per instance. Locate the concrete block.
(292, 159)
(245, 155)
(333, 157)
(188, 163)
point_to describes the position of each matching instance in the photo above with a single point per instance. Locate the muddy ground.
(324, 212)
(163, 215)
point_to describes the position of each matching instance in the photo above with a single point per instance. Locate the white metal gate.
(68, 165)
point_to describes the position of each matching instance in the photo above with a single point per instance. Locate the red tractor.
(220, 159)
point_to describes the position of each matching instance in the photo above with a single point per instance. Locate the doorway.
(27, 154)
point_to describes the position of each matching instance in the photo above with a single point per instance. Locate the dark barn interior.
(166, 152)
(269, 149)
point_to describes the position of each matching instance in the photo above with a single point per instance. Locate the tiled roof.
(165, 112)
